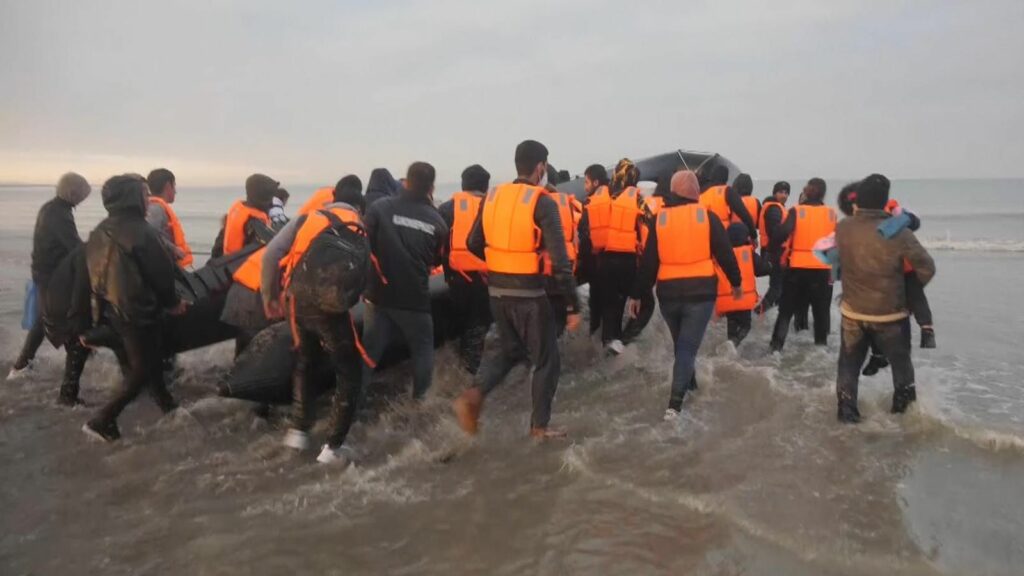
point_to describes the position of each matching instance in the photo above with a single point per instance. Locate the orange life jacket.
(891, 207)
(513, 239)
(322, 197)
(569, 218)
(752, 208)
(654, 204)
(714, 199)
(234, 225)
(812, 224)
(315, 223)
(250, 272)
(460, 259)
(623, 217)
(684, 243)
(725, 302)
(599, 213)
(762, 226)
(177, 234)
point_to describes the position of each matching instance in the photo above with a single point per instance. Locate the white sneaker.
(615, 347)
(671, 415)
(16, 374)
(296, 440)
(339, 455)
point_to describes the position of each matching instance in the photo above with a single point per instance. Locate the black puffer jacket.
(131, 275)
(408, 237)
(55, 237)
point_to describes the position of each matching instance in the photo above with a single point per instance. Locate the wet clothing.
(469, 290)
(55, 236)
(892, 339)
(587, 269)
(408, 236)
(33, 340)
(130, 272)
(876, 290)
(331, 336)
(772, 217)
(141, 358)
(800, 287)
(526, 332)
(687, 321)
(380, 325)
(917, 300)
(617, 274)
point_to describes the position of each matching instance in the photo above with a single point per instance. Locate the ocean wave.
(981, 245)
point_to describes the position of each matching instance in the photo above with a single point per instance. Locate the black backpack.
(331, 275)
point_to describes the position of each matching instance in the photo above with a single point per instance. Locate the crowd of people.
(512, 256)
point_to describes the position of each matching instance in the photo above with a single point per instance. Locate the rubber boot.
(876, 363)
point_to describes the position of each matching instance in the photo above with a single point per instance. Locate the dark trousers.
(75, 357)
(917, 301)
(737, 326)
(33, 340)
(801, 285)
(687, 321)
(417, 329)
(891, 338)
(617, 272)
(331, 336)
(635, 326)
(474, 308)
(526, 332)
(588, 273)
(141, 358)
(771, 297)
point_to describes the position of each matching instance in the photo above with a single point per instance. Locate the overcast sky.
(307, 91)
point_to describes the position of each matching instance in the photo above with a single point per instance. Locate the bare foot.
(467, 410)
(547, 433)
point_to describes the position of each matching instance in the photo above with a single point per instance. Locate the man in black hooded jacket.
(132, 280)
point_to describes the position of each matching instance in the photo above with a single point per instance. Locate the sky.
(308, 91)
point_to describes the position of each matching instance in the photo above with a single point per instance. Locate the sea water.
(755, 478)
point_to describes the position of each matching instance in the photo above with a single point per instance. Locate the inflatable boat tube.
(262, 373)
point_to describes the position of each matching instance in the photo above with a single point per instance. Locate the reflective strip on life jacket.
(812, 224)
(762, 226)
(622, 223)
(513, 239)
(569, 219)
(466, 208)
(714, 199)
(599, 213)
(234, 225)
(315, 223)
(177, 233)
(684, 243)
(725, 302)
(321, 198)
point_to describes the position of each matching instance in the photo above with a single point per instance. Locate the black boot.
(876, 363)
(106, 431)
(848, 414)
(902, 399)
(927, 338)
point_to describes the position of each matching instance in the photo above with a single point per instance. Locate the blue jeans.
(687, 321)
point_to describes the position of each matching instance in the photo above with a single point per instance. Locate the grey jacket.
(873, 283)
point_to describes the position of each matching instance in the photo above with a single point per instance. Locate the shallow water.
(756, 478)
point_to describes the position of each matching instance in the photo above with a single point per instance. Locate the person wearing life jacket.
(725, 201)
(409, 238)
(466, 274)
(519, 221)
(618, 260)
(569, 213)
(683, 248)
(160, 215)
(592, 241)
(773, 212)
(874, 305)
(807, 279)
(319, 334)
(744, 187)
(752, 266)
(247, 221)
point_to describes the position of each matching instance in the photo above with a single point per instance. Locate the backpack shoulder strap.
(337, 223)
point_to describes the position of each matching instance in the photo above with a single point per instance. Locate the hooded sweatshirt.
(130, 273)
(381, 185)
(56, 234)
